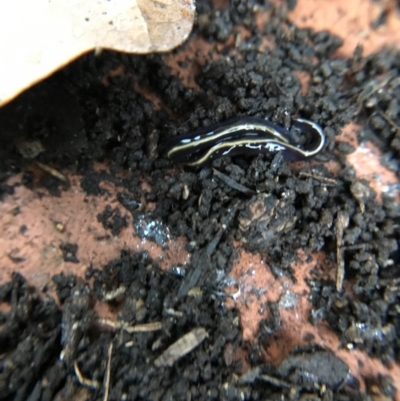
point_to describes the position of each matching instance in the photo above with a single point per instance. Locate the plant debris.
(181, 347)
(55, 33)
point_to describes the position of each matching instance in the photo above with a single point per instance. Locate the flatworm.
(245, 136)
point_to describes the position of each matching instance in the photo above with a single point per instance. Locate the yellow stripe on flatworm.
(233, 144)
(237, 127)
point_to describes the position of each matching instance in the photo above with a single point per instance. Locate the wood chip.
(52, 171)
(181, 347)
(341, 223)
(139, 328)
(232, 183)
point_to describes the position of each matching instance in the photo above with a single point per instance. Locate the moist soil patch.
(173, 338)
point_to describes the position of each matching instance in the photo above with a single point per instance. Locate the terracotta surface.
(40, 213)
(350, 20)
(365, 161)
(255, 283)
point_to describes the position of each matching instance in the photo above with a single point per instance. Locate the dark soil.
(78, 121)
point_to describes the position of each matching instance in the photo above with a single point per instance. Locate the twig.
(139, 328)
(52, 171)
(108, 373)
(111, 295)
(342, 221)
(391, 122)
(319, 177)
(82, 380)
(276, 382)
(232, 183)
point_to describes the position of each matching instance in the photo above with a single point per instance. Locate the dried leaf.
(40, 36)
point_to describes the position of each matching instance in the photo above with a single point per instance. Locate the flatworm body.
(245, 136)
